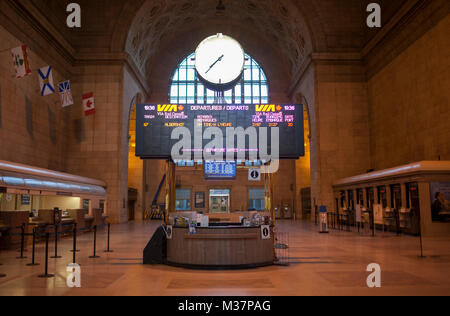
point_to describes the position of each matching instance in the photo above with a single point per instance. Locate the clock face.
(219, 60)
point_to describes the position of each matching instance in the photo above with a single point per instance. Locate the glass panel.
(264, 91)
(200, 94)
(247, 73)
(255, 73)
(174, 91)
(191, 74)
(210, 96)
(191, 91)
(237, 90)
(175, 76)
(183, 74)
(183, 90)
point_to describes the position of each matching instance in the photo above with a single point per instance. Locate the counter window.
(360, 196)
(183, 200)
(86, 206)
(396, 196)
(382, 196)
(256, 199)
(102, 206)
(351, 200)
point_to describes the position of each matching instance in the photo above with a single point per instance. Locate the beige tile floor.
(332, 264)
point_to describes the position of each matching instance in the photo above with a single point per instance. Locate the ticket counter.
(412, 199)
(39, 197)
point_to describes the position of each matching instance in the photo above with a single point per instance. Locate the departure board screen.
(157, 124)
(220, 170)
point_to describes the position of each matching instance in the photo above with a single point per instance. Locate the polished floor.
(333, 264)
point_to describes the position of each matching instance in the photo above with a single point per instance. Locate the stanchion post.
(95, 244)
(56, 244)
(22, 242)
(108, 250)
(2, 275)
(33, 263)
(75, 240)
(46, 275)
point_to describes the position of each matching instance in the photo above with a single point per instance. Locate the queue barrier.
(44, 232)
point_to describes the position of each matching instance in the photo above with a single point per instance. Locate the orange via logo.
(167, 108)
(265, 108)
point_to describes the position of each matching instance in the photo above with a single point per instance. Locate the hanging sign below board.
(254, 175)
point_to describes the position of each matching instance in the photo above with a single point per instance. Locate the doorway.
(132, 198)
(219, 201)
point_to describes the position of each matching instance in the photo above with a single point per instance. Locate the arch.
(291, 27)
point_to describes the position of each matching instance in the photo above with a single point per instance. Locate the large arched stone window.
(186, 88)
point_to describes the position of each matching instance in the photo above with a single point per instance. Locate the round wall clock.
(219, 61)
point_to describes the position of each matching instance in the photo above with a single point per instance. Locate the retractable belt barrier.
(43, 231)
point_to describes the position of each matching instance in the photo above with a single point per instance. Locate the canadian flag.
(88, 104)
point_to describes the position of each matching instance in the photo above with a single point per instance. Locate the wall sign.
(220, 170)
(199, 199)
(254, 174)
(440, 199)
(169, 232)
(265, 232)
(25, 199)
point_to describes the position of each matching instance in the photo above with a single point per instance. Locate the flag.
(88, 103)
(20, 61)
(46, 81)
(65, 93)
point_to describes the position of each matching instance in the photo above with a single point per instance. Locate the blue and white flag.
(65, 93)
(46, 81)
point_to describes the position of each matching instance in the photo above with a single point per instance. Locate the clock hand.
(218, 59)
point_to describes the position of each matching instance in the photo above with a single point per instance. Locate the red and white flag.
(88, 104)
(21, 61)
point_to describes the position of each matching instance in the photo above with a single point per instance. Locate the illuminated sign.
(263, 125)
(220, 170)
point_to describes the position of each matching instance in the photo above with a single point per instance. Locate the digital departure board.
(220, 170)
(155, 124)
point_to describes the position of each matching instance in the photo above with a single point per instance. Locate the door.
(131, 215)
(219, 201)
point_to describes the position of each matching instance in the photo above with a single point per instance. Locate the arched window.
(186, 88)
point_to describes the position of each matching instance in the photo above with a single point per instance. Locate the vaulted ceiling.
(147, 29)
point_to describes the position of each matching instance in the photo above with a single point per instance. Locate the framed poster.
(200, 200)
(440, 201)
(25, 199)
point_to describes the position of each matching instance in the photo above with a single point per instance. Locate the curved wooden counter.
(220, 247)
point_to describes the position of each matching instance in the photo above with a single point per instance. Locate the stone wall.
(340, 126)
(99, 143)
(409, 106)
(33, 129)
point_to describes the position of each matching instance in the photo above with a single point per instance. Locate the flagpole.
(93, 135)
